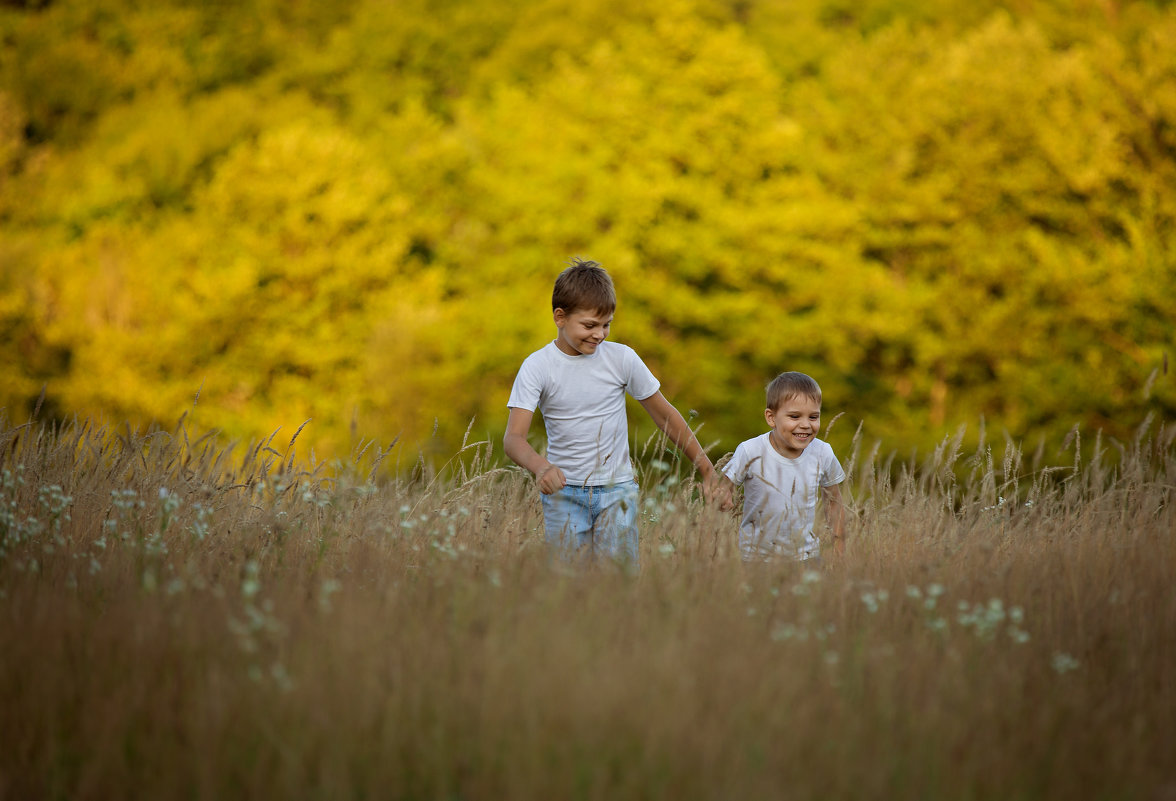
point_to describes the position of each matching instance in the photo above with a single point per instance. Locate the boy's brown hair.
(584, 285)
(789, 385)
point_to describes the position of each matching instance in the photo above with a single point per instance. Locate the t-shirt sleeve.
(641, 383)
(736, 469)
(831, 472)
(527, 388)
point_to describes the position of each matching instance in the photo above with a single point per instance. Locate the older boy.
(782, 473)
(579, 382)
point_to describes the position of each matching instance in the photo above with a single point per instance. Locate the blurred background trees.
(352, 211)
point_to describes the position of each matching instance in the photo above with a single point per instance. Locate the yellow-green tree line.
(947, 211)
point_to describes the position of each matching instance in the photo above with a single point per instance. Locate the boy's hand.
(551, 479)
(726, 498)
(718, 490)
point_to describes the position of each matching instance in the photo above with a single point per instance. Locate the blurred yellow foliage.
(353, 212)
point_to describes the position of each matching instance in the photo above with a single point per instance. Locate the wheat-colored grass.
(181, 619)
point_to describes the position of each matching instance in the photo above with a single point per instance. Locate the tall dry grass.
(180, 619)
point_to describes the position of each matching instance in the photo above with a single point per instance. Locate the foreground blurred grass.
(179, 619)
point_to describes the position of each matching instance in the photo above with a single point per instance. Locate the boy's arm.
(671, 422)
(549, 477)
(835, 516)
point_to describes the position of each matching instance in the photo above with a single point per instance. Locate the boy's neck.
(565, 348)
(779, 448)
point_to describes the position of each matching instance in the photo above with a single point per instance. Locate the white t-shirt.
(582, 399)
(780, 496)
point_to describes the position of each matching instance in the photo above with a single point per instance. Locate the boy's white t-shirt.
(582, 399)
(780, 496)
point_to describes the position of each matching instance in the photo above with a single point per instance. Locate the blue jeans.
(583, 523)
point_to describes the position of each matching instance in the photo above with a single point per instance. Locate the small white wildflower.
(251, 585)
(281, 677)
(785, 631)
(870, 601)
(789, 631)
(328, 588)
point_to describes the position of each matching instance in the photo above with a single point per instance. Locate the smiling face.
(794, 423)
(581, 332)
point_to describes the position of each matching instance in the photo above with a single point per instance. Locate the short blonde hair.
(584, 285)
(789, 385)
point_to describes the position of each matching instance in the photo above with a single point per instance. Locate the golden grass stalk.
(178, 621)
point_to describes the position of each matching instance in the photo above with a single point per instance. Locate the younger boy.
(782, 473)
(579, 382)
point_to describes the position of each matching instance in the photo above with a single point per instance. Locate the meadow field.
(181, 618)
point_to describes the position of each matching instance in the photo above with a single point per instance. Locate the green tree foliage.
(353, 211)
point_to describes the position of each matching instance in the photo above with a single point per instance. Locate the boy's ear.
(770, 416)
(559, 315)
